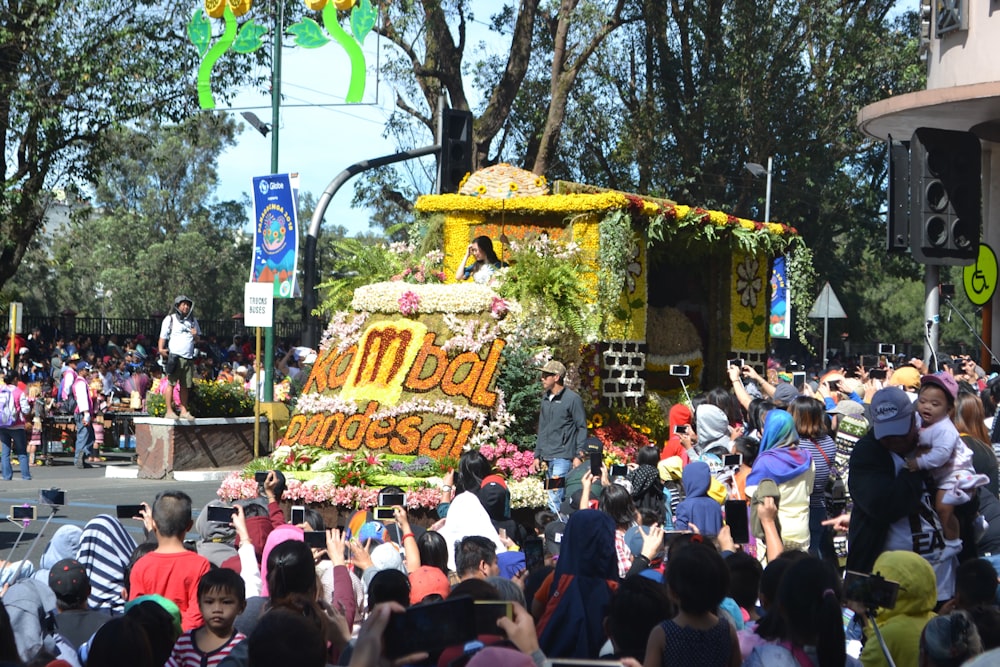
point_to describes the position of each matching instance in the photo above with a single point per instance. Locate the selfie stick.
(684, 387)
(870, 613)
(24, 526)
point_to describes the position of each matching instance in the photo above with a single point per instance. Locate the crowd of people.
(726, 545)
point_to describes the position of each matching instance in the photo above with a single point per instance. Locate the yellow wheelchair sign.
(980, 279)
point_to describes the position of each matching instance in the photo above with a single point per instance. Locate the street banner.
(276, 235)
(781, 306)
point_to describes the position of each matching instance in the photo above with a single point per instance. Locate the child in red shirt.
(171, 570)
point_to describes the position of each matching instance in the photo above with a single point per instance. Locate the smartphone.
(534, 553)
(52, 496)
(129, 511)
(886, 348)
(392, 499)
(298, 515)
(799, 379)
(315, 539)
(682, 428)
(488, 612)
(573, 662)
(260, 477)
(220, 514)
(736, 519)
(618, 470)
(554, 483)
(431, 627)
(870, 589)
(680, 370)
(732, 460)
(834, 385)
(735, 362)
(596, 460)
(877, 374)
(383, 514)
(23, 512)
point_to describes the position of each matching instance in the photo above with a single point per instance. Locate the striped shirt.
(105, 550)
(187, 654)
(823, 450)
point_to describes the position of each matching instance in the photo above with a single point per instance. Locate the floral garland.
(385, 297)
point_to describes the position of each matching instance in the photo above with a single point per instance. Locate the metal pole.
(275, 131)
(256, 400)
(767, 195)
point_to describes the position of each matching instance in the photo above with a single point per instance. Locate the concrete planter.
(165, 445)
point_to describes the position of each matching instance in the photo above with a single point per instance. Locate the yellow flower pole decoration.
(241, 39)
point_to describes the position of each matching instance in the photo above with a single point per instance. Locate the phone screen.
(732, 460)
(220, 514)
(555, 482)
(315, 539)
(260, 477)
(736, 519)
(391, 499)
(52, 496)
(595, 464)
(534, 553)
(22, 512)
(128, 511)
(799, 380)
(383, 514)
(618, 470)
(298, 515)
(431, 627)
(488, 612)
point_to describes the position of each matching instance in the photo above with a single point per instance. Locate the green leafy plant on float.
(208, 399)
(618, 249)
(518, 380)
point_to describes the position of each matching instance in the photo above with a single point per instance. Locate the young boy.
(171, 570)
(221, 598)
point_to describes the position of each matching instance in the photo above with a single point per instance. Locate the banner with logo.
(781, 306)
(276, 233)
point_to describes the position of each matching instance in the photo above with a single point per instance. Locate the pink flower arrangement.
(322, 490)
(498, 308)
(409, 303)
(507, 458)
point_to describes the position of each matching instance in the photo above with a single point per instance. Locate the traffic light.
(455, 159)
(945, 196)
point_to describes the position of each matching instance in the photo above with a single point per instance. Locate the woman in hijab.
(105, 550)
(573, 602)
(790, 467)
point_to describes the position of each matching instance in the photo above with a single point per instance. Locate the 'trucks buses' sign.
(412, 396)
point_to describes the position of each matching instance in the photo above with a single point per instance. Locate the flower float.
(308, 34)
(241, 39)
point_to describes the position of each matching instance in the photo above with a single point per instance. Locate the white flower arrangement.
(434, 298)
(527, 493)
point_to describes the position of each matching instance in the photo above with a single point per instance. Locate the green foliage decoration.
(208, 399)
(518, 380)
(802, 285)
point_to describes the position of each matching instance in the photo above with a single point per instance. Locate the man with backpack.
(178, 334)
(14, 408)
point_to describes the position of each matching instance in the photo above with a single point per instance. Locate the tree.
(68, 74)
(153, 232)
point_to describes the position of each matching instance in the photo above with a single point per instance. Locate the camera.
(618, 470)
(680, 370)
(872, 590)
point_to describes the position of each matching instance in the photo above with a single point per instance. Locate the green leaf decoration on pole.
(241, 40)
(249, 37)
(308, 34)
(363, 20)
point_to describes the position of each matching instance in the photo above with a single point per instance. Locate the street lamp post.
(757, 170)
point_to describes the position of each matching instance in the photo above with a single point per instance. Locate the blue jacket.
(697, 507)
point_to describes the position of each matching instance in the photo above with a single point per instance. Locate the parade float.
(617, 286)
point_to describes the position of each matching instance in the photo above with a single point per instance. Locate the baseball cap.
(892, 412)
(69, 581)
(785, 392)
(847, 407)
(554, 367)
(428, 580)
(553, 536)
(907, 377)
(943, 380)
(82, 366)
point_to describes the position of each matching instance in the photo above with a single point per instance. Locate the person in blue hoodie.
(697, 507)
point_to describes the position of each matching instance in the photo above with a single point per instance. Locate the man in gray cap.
(178, 334)
(562, 428)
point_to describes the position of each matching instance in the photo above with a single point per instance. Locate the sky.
(319, 135)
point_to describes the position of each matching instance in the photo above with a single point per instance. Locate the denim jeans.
(14, 440)
(84, 438)
(557, 468)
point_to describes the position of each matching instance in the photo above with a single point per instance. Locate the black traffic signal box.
(945, 196)
(455, 160)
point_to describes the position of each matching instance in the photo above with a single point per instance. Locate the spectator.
(221, 598)
(178, 334)
(75, 621)
(901, 626)
(476, 558)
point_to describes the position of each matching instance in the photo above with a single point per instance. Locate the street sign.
(980, 279)
(827, 306)
(258, 304)
(16, 314)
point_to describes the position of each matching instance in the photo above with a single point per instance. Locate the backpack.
(9, 409)
(835, 491)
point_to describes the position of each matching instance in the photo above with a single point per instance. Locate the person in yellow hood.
(901, 626)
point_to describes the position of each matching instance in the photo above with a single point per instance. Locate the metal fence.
(70, 326)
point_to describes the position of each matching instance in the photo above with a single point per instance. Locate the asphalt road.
(89, 492)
